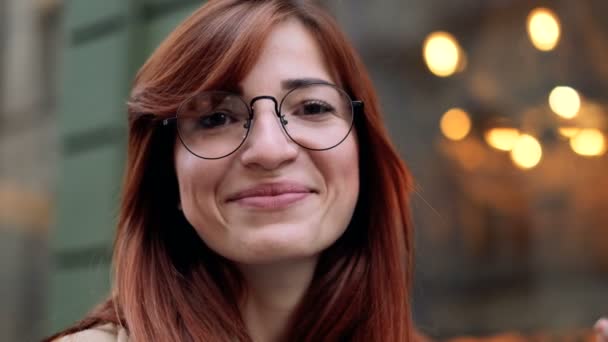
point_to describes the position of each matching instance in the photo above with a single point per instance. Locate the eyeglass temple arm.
(168, 121)
(358, 106)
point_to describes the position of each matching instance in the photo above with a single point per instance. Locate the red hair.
(168, 285)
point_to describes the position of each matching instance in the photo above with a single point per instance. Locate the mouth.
(272, 195)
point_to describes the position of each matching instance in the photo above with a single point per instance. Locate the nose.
(267, 147)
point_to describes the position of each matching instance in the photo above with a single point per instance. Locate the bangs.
(214, 48)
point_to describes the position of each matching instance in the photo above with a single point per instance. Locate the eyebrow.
(291, 83)
(298, 82)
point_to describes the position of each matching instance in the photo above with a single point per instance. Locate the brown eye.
(215, 120)
(315, 108)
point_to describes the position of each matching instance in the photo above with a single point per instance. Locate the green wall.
(105, 43)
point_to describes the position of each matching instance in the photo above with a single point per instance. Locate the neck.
(273, 292)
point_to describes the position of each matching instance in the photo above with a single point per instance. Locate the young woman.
(263, 200)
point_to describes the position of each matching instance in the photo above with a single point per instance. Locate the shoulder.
(102, 333)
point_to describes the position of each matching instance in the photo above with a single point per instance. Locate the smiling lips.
(271, 196)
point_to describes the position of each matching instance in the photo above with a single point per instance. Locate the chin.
(274, 257)
(268, 247)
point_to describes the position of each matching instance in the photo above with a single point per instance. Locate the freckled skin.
(303, 230)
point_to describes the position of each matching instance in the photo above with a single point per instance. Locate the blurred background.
(500, 108)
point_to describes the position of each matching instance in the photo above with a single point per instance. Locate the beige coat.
(102, 333)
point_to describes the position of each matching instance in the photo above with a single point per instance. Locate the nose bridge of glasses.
(264, 97)
(265, 121)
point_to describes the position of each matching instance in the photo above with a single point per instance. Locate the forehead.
(289, 52)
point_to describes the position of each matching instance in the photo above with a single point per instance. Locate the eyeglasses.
(214, 124)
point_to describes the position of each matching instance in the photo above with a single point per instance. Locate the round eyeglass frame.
(356, 107)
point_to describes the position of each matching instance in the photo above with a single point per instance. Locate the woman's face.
(260, 229)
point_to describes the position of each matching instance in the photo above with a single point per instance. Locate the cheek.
(341, 173)
(198, 180)
(346, 160)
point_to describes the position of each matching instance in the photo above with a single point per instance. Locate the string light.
(502, 138)
(589, 142)
(527, 152)
(455, 124)
(565, 102)
(543, 28)
(442, 54)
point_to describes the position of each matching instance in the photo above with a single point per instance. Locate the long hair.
(168, 285)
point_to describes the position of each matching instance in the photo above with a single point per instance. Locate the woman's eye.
(316, 107)
(215, 120)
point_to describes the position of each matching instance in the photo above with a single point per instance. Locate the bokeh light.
(543, 28)
(502, 138)
(442, 54)
(527, 152)
(589, 142)
(568, 132)
(455, 124)
(565, 102)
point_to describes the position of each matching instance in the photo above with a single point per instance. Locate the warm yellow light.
(455, 124)
(568, 132)
(527, 152)
(565, 102)
(502, 138)
(442, 54)
(543, 28)
(589, 143)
